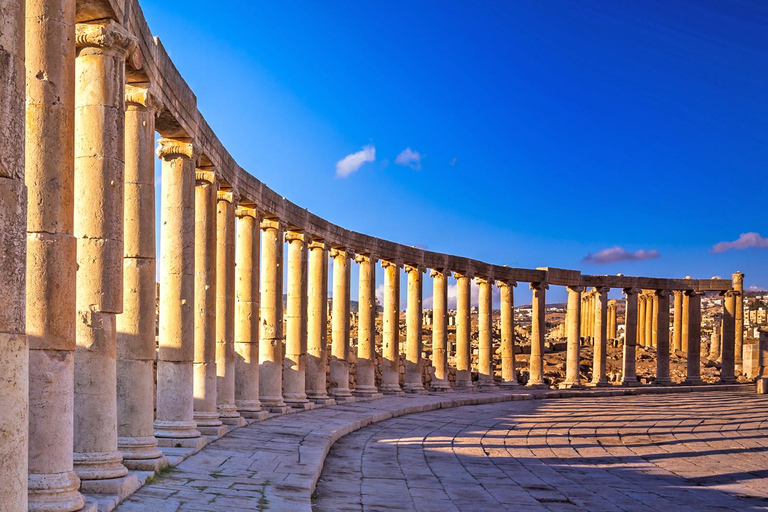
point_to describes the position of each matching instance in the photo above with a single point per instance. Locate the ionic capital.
(246, 211)
(318, 244)
(228, 195)
(296, 236)
(576, 289)
(142, 98)
(439, 272)
(483, 280)
(463, 275)
(506, 283)
(338, 252)
(168, 149)
(661, 293)
(413, 268)
(207, 176)
(360, 258)
(602, 289)
(269, 224)
(694, 293)
(538, 286)
(390, 263)
(738, 278)
(108, 35)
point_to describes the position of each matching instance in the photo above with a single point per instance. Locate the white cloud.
(754, 288)
(352, 163)
(453, 162)
(614, 254)
(409, 158)
(745, 241)
(380, 293)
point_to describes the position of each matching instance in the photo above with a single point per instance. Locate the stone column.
(631, 322)
(440, 329)
(19, 390)
(294, 364)
(538, 330)
(463, 330)
(247, 221)
(599, 377)
(271, 315)
(762, 355)
(366, 329)
(99, 174)
(174, 423)
(714, 348)
(641, 314)
(573, 323)
(677, 339)
(317, 323)
(611, 320)
(508, 370)
(390, 360)
(136, 325)
(591, 313)
(340, 327)
(50, 256)
(661, 310)
(738, 320)
(206, 414)
(413, 382)
(485, 336)
(727, 340)
(655, 322)
(684, 323)
(225, 308)
(694, 338)
(649, 315)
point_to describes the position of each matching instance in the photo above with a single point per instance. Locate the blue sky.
(538, 133)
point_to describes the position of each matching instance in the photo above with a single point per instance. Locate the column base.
(415, 389)
(694, 381)
(440, 385)
(154, 465)
(463, 386)
(391, 390)
(762, 386)
(598, 384)
(570, 385)
(196, 443)
(344, 399)
(485, 386)
(365, 391)
(279, 409)
(322, 400)
(233, 421)
(54, 491)
(306, 405)
(254, 416)
(141, 453)
(536, 385)
(664, 381)
(510, 384)
(246, 406)
(175, 430)
(123, 486)
(98, 466)
(337, 393)
(629, 382)
(272, 402)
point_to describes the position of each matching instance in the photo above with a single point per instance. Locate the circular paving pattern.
(697, 452)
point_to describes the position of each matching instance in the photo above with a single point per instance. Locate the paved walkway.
(671, 453)
(274, 465)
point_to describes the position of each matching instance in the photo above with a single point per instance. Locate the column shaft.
(247, 222)
(485, 336)
(99, 175)
(463, 330)
(738, 320)
(50, 255)
(599, 377)
(631, 323)
(661, 327)
(640, 318)
(136, 325)
(340, 326)
(413, 383)
(538, 330)
(317, 323)
(649, 315)
(677, 326)
(206, 413)
(440, 329)
(366, 328)
(390, 365)
(694, 338)
(271, 316)
(573, 325)
(684, 322)
(508, 370)
(174, 423)
(727, 338)
(294, 364)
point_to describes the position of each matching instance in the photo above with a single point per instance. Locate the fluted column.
(366, 328)
(174, 423)
(599, 377)
(317, 323)
(573, 324)
(225, 308)
(677, 322)
(485, 336)
(463, 331)
(340, 326)
(50, 255)
(738, 320)
(206, 413)
(99, 174)
(538, 331)
(694, 338)
(727, 338)
(413, 383)
(136, 325)
(16, 388)
(247, 221)
(294, 364)
(661, 308)
(390, 360)
(271, 318)
(631, 322)
(508, 370)
(440, 329)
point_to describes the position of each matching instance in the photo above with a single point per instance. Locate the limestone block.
(751, 363)
(12, 86)
(137, 324)
(100, 274)
(205, 383)
(99, 197)
(95, 77)
(135, 387)
(13, 420)
(12, 261)
(139, 242)
(177, 233)
(174, 391)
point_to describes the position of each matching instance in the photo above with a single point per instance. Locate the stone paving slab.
(275, 464)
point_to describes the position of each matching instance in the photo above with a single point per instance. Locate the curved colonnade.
(84, 89)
